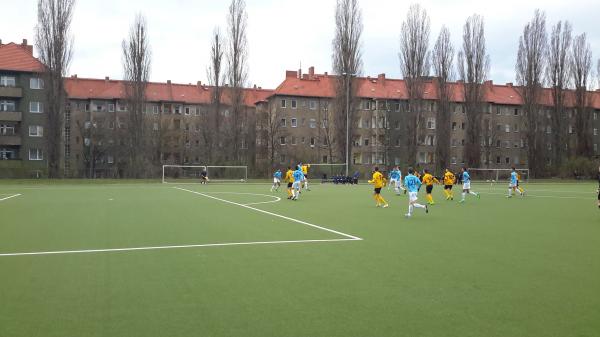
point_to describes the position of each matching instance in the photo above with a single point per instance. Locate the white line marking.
(12, 196)
(276, 199)
(84, 251)
(527, 195)
(271, 213)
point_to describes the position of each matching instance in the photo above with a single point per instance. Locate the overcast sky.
(283, 34)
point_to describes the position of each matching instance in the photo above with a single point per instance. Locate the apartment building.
(22, 115)
(304, 104)
(176, 122)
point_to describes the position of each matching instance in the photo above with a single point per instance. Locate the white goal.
(192, 174)
(496, 175)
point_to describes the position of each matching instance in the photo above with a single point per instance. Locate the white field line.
(84, 251)
(352, 237)
(275, 198)
(12, 196)
(527, 195)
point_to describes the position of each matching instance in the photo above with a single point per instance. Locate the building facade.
(295, 122)
(22, 116)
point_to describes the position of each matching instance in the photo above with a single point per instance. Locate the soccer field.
(145, 259)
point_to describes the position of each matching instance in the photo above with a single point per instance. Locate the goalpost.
(496, 175)
(326, 172)
(192, 174)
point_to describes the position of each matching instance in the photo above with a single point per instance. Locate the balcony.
(11, 116)
(14, 92)
(10, 140)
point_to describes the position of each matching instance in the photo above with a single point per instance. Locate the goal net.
(182, 174)
(326, 172)
(192, 174)
(496, 175)
(227, 173)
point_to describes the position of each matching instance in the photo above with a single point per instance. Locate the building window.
(454, 143)
(294, 122)
(7, 106)
(507, 128)
(282, 123)
(36, 131)
(595, 115)
(570, 129)
(111, 107)
(312, 105)
(36, 154)
(312, 141)
(516, 112)
(516, 128)
(35, 107)
(281, 140)
(283, 103)
(595, 132)
(431, 123)
(36, 83)
(282, 159)
(155, 127)
(293, 140)
(366, 141)
(7, 81)
(313, 123)
(187, 110)
(294, 104)
(453, 160)
(462, 126)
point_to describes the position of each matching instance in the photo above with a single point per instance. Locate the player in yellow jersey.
(429, 180)
(289, 177)
(519, 186)
(378, 182)
(449, 180)
(305, 168)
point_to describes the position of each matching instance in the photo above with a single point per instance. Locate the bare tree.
(237, 69)
(530, 67)
(558, 77)
(414, 65)
(347, 63)
(443, 61)
(211, 129)
(581, 68)
(55, 45)
(473, 68)
(136, 71)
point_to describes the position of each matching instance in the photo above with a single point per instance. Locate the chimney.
(509, 84)
(199, 83)
(24, 42)
(255, 86)
(311, 71)
(305, 77)
(381, 78)
(169, 82)
(0, 42)
(326, 74)
(290, 73)
(300, 73)
(106, 78)
(74, 76)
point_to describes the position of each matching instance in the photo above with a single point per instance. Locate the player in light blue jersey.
(396, 179)
(412, 184)
(466, 179)
(298, 178)
(514, 183)
(276, 181)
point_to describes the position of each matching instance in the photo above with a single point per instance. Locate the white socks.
(419, 206)
(472, 193)
(464, 195)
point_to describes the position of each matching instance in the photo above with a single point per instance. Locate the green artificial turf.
(490, 267)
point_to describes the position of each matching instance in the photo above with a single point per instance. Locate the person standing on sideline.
(466, 180)
(378, 183)
(413, 184)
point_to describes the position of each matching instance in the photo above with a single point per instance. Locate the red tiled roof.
(16, 57)
(323, 85)
(86, 88)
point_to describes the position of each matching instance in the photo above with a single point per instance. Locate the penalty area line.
(87, 251)
(352, 237)
(12, 196)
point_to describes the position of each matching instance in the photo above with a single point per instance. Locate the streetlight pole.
(347, 76)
